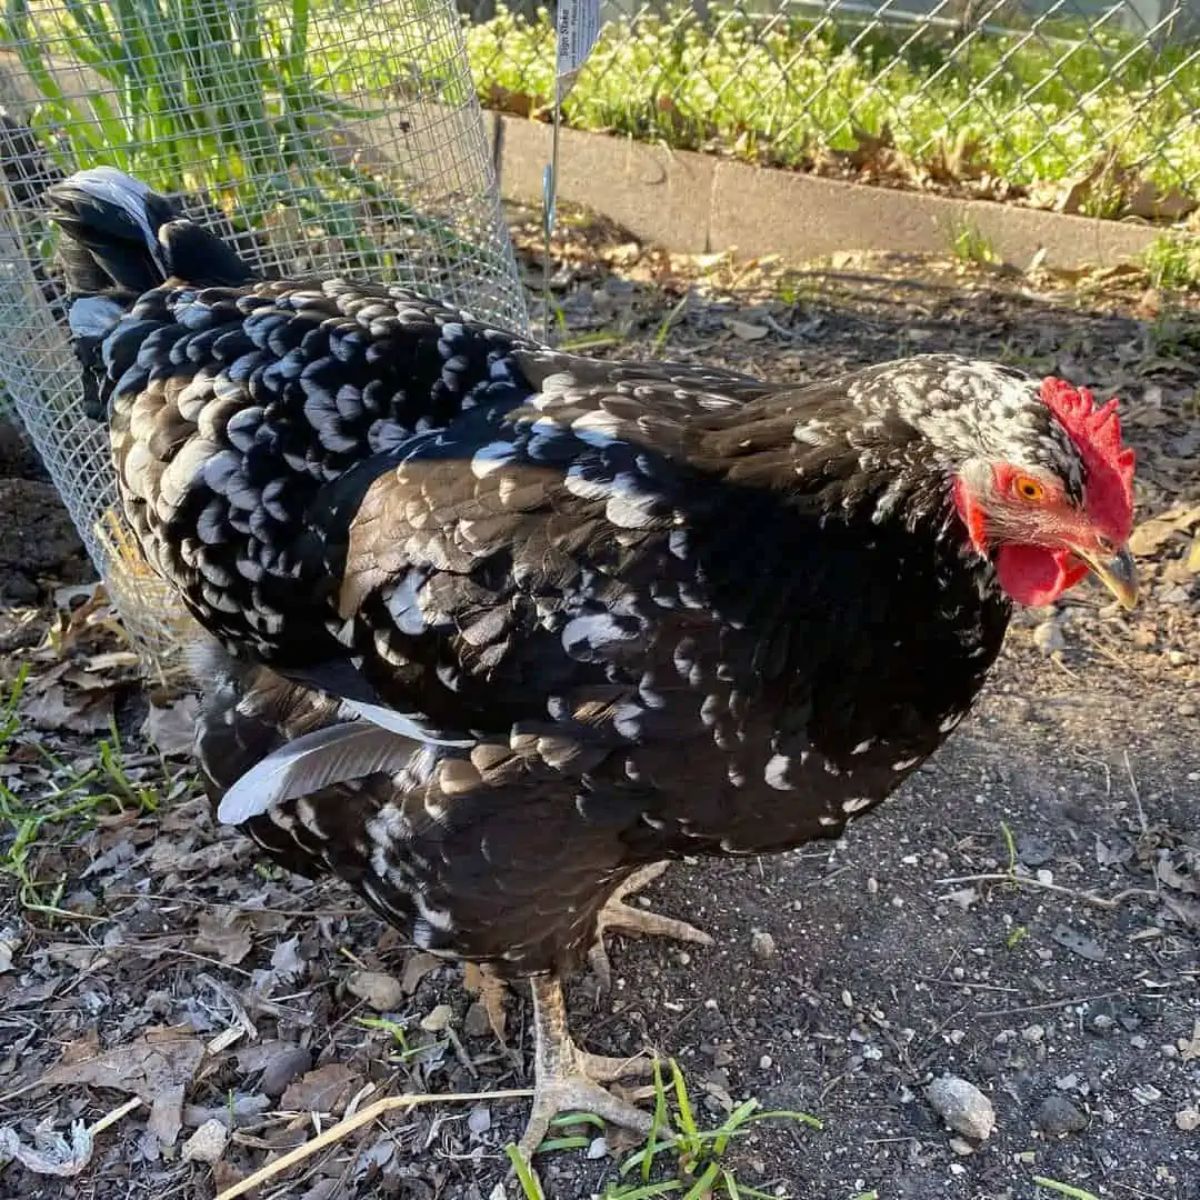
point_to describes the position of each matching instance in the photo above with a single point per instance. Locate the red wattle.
(1034, 576)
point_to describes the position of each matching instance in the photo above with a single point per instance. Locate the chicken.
(497, 627)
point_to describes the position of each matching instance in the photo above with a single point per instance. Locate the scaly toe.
(625, 918)
(578, 1093)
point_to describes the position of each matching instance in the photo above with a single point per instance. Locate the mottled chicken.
(499, 627)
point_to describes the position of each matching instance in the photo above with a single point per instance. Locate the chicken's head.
(1053, 500)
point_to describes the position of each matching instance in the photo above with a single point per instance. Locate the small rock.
(437, 1018)
(476, 1023)
(1034, 851)
(598, 1148)
(762, 944)
(380, 991)
(1033, 1033)
(962, 1106)
(1186, 709)
(1067, 1083)
(1146, 1093)
(1048, 637)
(283, 1068)
(1057, 1115)
(961, 1146)
(480, 1119)
(1187, 1119)
(766, 1063)
(207, 1144)
(1078, 943)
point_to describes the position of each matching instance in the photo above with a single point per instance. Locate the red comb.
(1096, 433)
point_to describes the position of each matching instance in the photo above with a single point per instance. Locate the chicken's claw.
(618, 917)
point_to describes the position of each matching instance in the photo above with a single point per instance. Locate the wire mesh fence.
(1061, 103)
(318, 138)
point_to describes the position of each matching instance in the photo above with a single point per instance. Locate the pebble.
(1034, 851)
(380, 991)
(1048, 637)
(207, 1144)
(480, 1119)
(765, 1063)
(1186, 709)
(476, 1023)
(598, 1148)
(762, 944)
(437, 1019)
(1187, 1119)
(961, 1146)
(1057, 1115)
(1146, 1093)
(283, 1068)
(1033, 1033)
(962, 1106)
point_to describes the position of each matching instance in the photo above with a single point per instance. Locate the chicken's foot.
(618, 917)
(567, 1079)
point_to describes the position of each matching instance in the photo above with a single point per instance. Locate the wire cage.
(320, 137)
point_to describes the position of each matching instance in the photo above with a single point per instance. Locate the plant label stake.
(577, 23)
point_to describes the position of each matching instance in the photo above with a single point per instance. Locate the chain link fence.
(1083, 107)
(319, 138)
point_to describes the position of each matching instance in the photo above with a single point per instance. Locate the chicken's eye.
(1028, 489)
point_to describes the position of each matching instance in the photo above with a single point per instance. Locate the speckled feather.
(673, 611)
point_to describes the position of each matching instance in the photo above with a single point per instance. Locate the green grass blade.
(1064, 1189)
(687, 1118)
(736, 1118)
(579, 1118)
(525, 1177)
(703, 1185)
(646, 1193)
(563, 1143)
(786, 1114)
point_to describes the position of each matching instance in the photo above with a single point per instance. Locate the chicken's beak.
(1116, 571)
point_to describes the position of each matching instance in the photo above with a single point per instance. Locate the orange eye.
(1028, 489)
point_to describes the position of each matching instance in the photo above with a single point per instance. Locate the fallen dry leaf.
(156, 1067)
(745, 330)
(381, 991)
(327, 1089)
(51, 1153)
(1150, 536)
(172, 727)
(56, 708)
(224, 932)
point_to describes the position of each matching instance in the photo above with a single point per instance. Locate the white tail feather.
(335, 754)
(388, 718)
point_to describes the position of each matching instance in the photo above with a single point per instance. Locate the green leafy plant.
(80, 794)
(239, 106)
(1173, 262)
(971, 245)
(1031, 108)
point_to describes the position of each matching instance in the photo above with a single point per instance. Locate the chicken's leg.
(618, 917)
(567, 1078)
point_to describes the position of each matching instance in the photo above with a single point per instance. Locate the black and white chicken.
(498, 628)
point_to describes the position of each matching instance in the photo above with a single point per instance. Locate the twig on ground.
(1108, 902)
(344, 1128)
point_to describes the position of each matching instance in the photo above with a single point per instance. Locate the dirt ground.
(146, 956)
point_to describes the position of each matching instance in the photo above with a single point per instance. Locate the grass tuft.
(676, 1146)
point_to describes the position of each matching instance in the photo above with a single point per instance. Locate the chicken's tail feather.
(125, 238)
